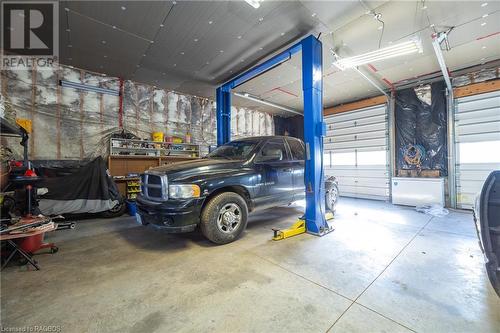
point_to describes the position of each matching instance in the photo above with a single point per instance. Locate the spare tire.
(331, 193)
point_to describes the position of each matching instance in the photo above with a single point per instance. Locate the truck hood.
(182, 171)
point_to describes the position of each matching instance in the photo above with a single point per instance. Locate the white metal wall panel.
(353, 133)
(477, 121)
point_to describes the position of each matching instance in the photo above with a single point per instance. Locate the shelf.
(153, 142)
(153, 157)
(135, 148)
(126, 179)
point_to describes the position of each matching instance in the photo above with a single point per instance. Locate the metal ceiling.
(192, 46)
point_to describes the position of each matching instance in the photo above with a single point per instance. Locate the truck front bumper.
(173, 216)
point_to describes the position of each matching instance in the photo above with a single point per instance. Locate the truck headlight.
(183, 191)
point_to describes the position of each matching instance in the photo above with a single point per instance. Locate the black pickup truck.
(218, 191)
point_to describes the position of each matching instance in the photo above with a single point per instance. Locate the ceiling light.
(174, 2)
(210, 22)
(182, 53)
(483, 47)
(395, 50)
(221, 51)
(485, 15)
(151, 41)
(261, 19)
(254, 3)
(104, 42)
(123, 7)
(114, 27)
(262, 101)
(161, 25)
(195, 40)
(483, 24)
(282, 34)
(239, 37)
(484, 4)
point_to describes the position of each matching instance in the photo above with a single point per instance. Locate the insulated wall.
(356, 151)
(477, 142)
(76, 124)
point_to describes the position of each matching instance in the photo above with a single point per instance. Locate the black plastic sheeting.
(421, 130)
(291, 126)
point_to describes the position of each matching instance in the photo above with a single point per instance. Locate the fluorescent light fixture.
(86, 87)
(395, 50)
(263, 101)
(254, 3)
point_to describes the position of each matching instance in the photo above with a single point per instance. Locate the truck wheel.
(224, 218)
(331, 196)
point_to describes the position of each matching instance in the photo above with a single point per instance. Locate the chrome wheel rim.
(229, 218)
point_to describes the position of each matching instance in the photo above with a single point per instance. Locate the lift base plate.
(298, 228)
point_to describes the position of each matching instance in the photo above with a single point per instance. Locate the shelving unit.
(136, 156)
(131, 147)
(133, 188)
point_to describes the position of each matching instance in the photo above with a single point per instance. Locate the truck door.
(297, 152)
(273, 163)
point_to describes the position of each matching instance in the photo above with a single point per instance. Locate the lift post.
(314, 127)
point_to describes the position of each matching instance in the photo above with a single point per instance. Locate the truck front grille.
(154, 186)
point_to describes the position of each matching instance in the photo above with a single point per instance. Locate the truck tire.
(331, 195)
(224, 218)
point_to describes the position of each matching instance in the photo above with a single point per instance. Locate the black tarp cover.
(423, 126)
(74, 187)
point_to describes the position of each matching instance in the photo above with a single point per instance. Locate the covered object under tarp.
(76, 187)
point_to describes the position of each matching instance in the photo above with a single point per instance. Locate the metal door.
(356, 151)
(477, 144)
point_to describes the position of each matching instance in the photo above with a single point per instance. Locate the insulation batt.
(75, 124)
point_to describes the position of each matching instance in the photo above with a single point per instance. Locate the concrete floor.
(384, 269)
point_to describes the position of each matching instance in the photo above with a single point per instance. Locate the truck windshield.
(234, 150)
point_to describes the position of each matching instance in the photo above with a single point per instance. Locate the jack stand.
(298, 228)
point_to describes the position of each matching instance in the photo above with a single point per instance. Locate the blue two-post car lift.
(314, 127)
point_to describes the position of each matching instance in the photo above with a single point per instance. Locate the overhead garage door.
(356, 151)
(477, 142)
